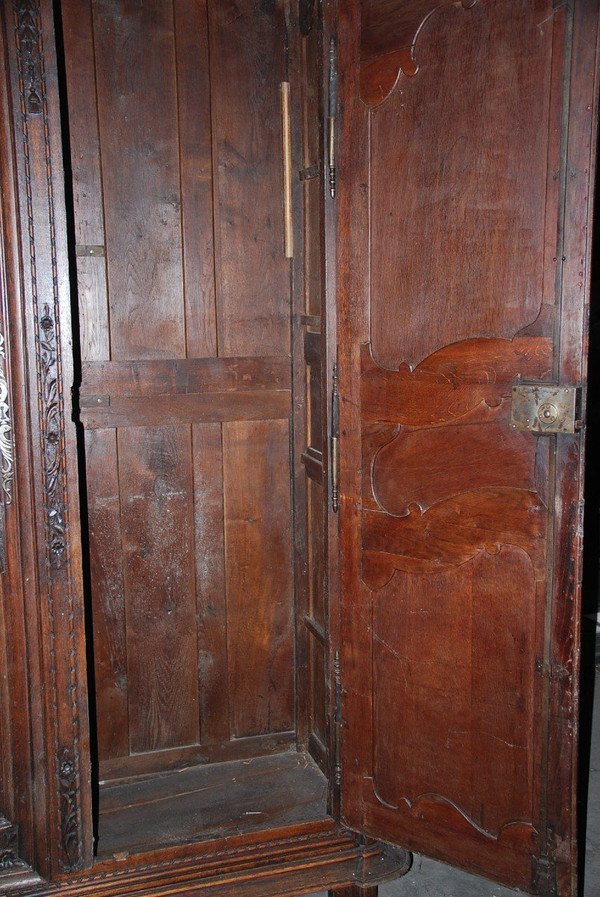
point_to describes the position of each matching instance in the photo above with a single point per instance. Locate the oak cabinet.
(292, 394)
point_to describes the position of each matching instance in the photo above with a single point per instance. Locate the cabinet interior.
(200, 412)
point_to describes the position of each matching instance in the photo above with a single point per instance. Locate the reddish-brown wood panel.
(247, 67)
(196, 172)
(473, 195)
(210, 583)
(107, 594)
(140, 177)
(157, 517)
(86, 175)
(449, 271)
(259, 576)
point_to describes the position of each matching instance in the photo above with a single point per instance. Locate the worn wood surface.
(313, 340)
(213, 801)
(186, 383)
(287, 862)
(454, 527)
(42, 584)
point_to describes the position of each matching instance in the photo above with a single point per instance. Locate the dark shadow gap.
(83, 499)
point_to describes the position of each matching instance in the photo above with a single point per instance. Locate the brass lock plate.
(545, 409)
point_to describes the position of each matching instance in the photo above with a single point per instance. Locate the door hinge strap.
(544, 879)
(337, 678)
(335, 442)
(333, 103)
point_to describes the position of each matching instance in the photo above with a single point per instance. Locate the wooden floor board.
(210, 801)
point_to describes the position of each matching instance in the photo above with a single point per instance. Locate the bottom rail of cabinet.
(314, 857)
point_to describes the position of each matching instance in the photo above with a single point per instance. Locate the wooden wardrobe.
(292, 403)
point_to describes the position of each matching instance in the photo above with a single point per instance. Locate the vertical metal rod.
(333, 102)
(286, 138)
(335, 442)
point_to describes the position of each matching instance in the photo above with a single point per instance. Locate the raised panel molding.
(389, 33)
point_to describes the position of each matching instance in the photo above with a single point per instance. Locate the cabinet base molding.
(318, 857)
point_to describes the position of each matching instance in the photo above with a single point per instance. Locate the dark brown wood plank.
(137, 103)
(312, 154)
(159, 573)
(316, 561)
(94, 338)
(177, 376)
(247, 51)
(192, 409)
(259, 576)
(580, 169)
(318, 721)
(194, 112)
(210, 583)
(125, 768)
(313, 464)
(211, 802)
(108, 598)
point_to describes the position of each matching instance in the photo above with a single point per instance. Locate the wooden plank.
(86, 178)
(312, 190)
(158, 568)
(194, 111)
(579, 174)
(108, 598)
(172, 376)
(247, 52)
(316, 562)
(259, 576)
(266, 792)
(121, 768)
(137, 102)
(173, 410)
(318, 720)
(210, 583)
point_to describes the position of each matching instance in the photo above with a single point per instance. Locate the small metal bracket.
(84, 251)
(93, 401)
(544, 408)
(308, 174)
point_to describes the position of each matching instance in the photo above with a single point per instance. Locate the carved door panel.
(466, 160)
(184, 316)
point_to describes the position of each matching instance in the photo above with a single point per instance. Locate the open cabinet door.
(465, 170)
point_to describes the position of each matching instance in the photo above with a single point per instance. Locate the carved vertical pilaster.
(46, 303)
